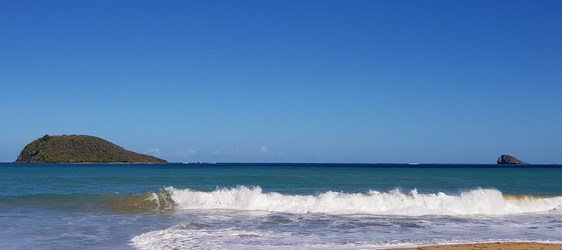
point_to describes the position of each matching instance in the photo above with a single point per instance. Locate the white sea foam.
(236, 238)
(336, 220)
(232, 238)
(474, 202)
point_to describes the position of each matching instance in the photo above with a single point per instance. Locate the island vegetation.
(79, 149)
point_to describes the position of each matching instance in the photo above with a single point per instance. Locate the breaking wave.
(395, 202)
(242, 198)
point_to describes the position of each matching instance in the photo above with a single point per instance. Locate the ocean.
(275, 206)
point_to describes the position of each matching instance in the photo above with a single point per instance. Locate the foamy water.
(231, 229)
(474, 202)
(247, 217)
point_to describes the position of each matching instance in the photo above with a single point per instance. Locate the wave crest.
(142, 203)
(395, 202)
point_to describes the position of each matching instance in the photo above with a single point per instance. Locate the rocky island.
(79, 149)
(508, 159)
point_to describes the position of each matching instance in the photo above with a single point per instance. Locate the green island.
(79, 149)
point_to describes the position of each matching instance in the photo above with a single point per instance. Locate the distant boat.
(413, 163)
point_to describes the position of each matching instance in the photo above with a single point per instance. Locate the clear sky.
(287, 81)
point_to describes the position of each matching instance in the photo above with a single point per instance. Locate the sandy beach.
(493, 246)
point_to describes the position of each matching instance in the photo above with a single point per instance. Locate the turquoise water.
(275, 206)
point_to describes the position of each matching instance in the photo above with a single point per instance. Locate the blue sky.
(287, 81)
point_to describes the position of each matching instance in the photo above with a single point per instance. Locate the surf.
(395, 202)
(243, 198)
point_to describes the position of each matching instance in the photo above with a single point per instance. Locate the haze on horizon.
(287, 81)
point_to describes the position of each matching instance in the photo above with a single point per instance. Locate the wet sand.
(493, 246)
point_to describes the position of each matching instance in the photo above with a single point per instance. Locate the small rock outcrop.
(508, 159)
(79, 149)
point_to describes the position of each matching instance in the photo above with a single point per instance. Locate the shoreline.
(490, 246)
